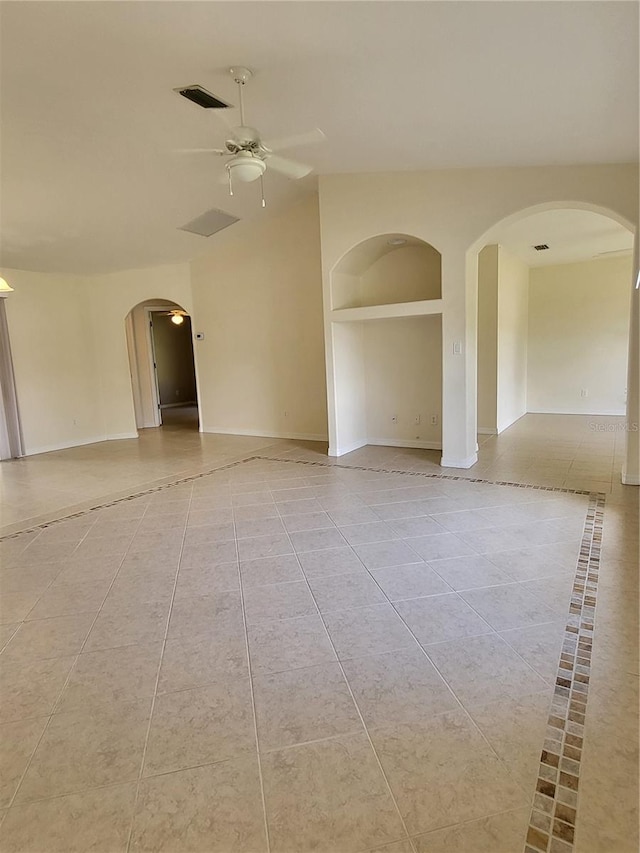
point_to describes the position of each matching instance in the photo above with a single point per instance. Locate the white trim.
(503, 426)
(487, 431)
(459, 463)
(341, 451)
(176, 405)
(630, 479)
(619, 414)
(65, 445)
(400, 442)
(258, 433)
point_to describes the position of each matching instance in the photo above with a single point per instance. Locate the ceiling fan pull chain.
(230, 183)
(264, 203)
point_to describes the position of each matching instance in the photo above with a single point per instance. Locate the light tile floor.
(291, 657)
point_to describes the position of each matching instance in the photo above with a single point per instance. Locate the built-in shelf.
(420, 308)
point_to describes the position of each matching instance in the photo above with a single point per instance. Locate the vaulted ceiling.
(91, 181)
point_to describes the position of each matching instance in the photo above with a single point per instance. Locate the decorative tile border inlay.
(553, 816)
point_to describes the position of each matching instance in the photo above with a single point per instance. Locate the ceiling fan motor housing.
(246, 167)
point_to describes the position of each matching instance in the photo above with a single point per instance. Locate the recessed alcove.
(385, 335)
(386, 269)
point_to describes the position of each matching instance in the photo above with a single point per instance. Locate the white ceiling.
(90, 119)
(572, 235)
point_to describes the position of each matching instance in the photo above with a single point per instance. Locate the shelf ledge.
(421, 308)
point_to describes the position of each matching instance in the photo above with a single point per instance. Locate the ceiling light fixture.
(5, 287)
(178, 319)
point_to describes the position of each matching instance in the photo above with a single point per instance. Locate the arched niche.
(386, 269)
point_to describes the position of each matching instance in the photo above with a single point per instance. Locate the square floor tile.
(282, 644)
(539, 645)
(31, 688)
(438, 618)
(109, 677)
(48, 638)
(371, 531)
(412, 581)
(442, 772)
(508, 606)
(193, 661)
(332, 561)
(411, 527)
(397, 687)
(278, 601)
(124, 625)
(96, 820)
(317, 540)
(202, 614)
(328, 796)
(217, 809)
(367, 631)
(501, 833)
(469, 572)
(85, 750)
(18, 740)
(307, 521)
(485, 670)
(345, 591)
(200, 726)
(378, 555)
(259, 527)
(264, 546)
(207, 580)
(268, 570)
(439, 546)
(303, 705)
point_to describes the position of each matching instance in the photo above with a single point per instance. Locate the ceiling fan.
(177, 315)
(249, 155)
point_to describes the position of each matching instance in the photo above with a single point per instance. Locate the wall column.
(459, 359)
(631, 466)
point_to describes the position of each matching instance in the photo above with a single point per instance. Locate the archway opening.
(553, 339)
(162, 366)
(386, 345)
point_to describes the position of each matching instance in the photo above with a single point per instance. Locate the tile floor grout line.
(357, 707)
(553, 815)
(157, 680)
(263, 798)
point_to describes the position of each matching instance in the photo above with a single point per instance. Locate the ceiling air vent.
(541, 247)
(202, 98)
(209, 223)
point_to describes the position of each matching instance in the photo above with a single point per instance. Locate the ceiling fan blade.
(218, 151)
(290, 168)
(309, 138)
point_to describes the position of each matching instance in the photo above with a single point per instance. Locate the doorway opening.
(162, 366)
(553, 337)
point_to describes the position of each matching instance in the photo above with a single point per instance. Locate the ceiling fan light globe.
(246, 169)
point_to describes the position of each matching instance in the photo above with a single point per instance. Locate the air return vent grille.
(202, 98)
(541, 247)
(209, 223)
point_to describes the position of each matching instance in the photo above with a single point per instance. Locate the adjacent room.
(319, 406)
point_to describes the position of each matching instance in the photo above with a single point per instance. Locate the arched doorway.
(162, 365)
(384, 345)
(553, 345)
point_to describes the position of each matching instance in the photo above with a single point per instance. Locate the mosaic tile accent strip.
(553, 815)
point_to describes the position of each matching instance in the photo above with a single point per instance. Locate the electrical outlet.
(394, 419)
(584, 392)
(416, 420)
(434, 420)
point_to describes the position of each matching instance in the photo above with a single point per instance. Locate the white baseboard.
(487, 431)
(348, 448)
(258, 433)
(502, 427)
(448, 462)
(618, 414)
(630, 479)
(400, 442)
(65, 445)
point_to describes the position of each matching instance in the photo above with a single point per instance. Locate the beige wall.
(258, 300)
(403, 378)
(513, 311)
(456, 211)
(578, 337)
(70, 352)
